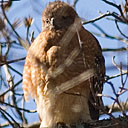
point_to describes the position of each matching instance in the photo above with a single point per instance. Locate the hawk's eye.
(47, 21)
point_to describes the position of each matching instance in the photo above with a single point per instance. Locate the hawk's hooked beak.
(52, 23)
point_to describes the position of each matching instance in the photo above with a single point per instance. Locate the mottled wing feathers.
(33, 74)
(94, 59)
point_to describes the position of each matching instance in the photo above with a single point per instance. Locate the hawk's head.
(58, 15)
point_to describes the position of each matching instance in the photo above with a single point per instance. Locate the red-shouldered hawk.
(64, 69)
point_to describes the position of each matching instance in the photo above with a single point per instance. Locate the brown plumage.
(64, 69)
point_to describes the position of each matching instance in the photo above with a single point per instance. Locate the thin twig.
(14, 70)
(12, 61)
(111, 37)
(118, 28)
(116, 6)
(16, 124)
(74, 3)
(98, 18)
(117, 66)
(11, 88)
(115, 76)
(114, 49)
(115, 15)
(22, 109)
